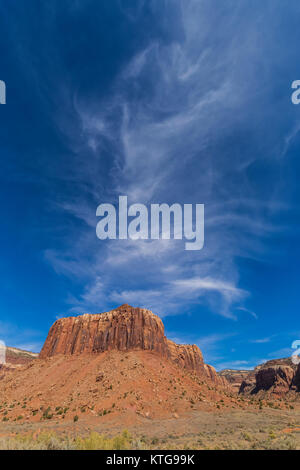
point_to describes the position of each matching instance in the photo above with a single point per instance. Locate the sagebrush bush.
(97, 441)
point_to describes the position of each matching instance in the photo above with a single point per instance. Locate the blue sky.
(163, 101)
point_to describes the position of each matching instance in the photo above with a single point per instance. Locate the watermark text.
(161, 221)
(296, 354)
(2, 92)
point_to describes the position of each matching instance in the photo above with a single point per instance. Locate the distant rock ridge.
(124, 328)
(19, 356)
(275, 377)
(235, 377)
(15, 358)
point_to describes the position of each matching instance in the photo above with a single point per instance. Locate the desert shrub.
(44, 441)
(53, 441)
(246, 436)
(47, 414)
(97, 441)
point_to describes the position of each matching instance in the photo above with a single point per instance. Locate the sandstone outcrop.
(296, 380)
(15, 358)
(248, 384)
(279, 378)
(125, 328)
(235, 377)
(214, 376)
(187, 356)
(276, 377)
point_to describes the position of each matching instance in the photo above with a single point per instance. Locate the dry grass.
(52, 441)
(124, 441)
(267, 429)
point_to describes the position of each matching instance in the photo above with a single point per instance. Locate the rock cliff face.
(234, 377)
(125, 328)
(277, 377)
(15, 358)
(296, 380)
(186, 356)
(215, 377)
(248, 383)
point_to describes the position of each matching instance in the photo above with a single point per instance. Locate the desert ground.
(233, 429)
(150, 395)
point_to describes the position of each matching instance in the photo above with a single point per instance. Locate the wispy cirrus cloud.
(261, 340)
(253, 314)
(166, 299)
(176, 125)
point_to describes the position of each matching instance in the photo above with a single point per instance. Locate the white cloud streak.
(166, 123)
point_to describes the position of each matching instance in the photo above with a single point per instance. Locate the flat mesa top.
(121, 308)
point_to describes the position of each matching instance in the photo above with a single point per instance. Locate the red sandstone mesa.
(125, 328)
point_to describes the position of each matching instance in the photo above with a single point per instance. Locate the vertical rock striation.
(125, 328)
